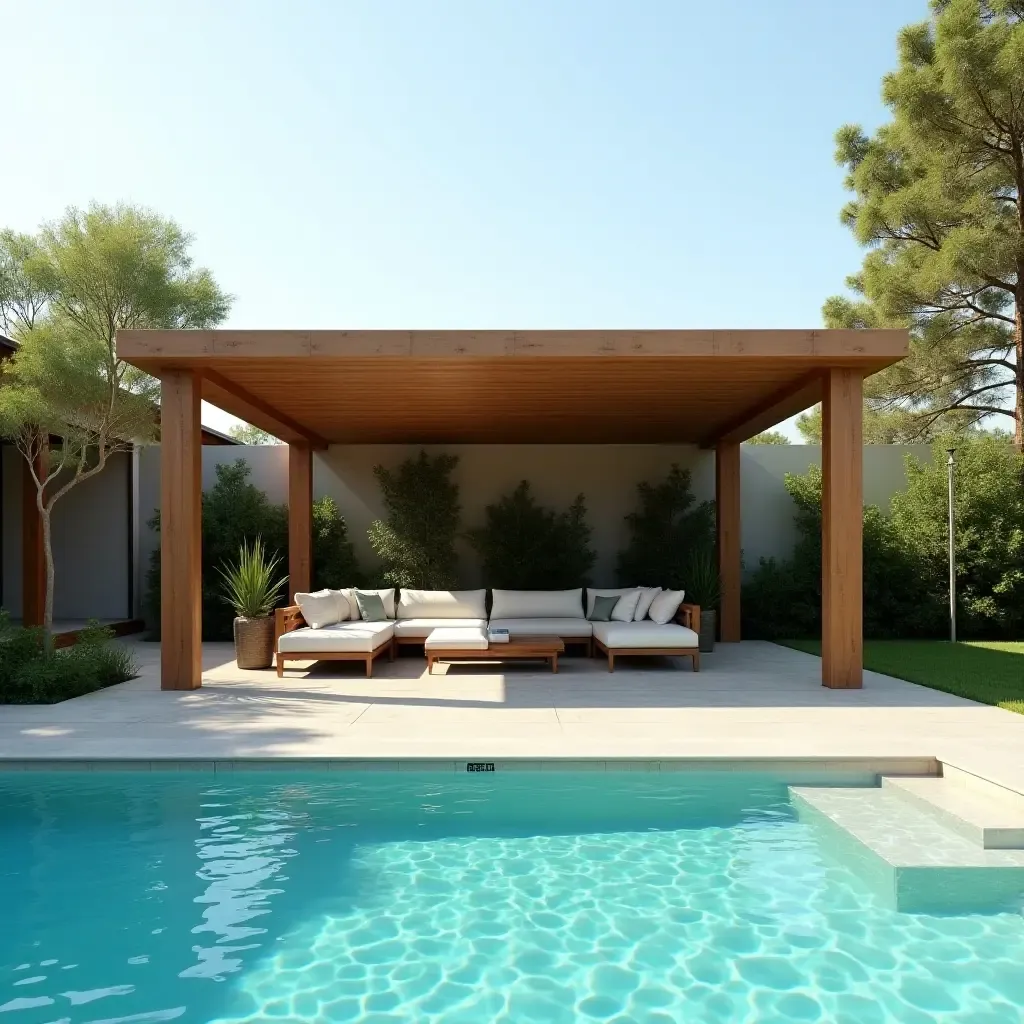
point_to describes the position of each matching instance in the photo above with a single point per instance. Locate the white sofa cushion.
(625, 607)
(358, 637)
(644, 634)
(537, 604)
(322, 607)
(457, 638)
(665, 606)
(419, 628)
(643, 606)
(591, 594)
(544, 627)
(386, 595)
(442, 604)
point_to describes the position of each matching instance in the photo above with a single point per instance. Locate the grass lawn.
(990, 673)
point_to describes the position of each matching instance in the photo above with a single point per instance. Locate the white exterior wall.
(606, 474)
(91, 542)
(269, 471)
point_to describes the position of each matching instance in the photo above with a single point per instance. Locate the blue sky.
(475, 164)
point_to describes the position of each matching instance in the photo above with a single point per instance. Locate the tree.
(989, 530)
(66, 400)
(939, 202)
(248, 434)
(782, 597)
(416, 542)
(524, 546)
(665, 532)
(768, 437)
(334, 557)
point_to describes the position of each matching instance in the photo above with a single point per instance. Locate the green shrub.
(989, 531)
(31, 675)
(236, 512)
(524, 546)
(416, 540)
(334, 557)
(665, 533)
(783, 597)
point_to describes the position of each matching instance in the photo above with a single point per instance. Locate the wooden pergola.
(711, 388)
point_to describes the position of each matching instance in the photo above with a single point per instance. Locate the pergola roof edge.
(587, 386)
(824, 344)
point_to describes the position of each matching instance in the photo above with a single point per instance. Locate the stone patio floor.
(750, 700)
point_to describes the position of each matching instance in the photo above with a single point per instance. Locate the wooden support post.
(181, 492)
(33, 557)
(842, 529)
(727, 519)
(300, 519)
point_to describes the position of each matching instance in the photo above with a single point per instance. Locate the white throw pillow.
(442, 604)
(625, 609)
(387, 596)
(537, 604)
(665, 606)
(593, 594)
(321, 608)
(347, 601)
(643, 606)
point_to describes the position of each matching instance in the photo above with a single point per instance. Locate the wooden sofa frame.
(688, 615)
(288, 619)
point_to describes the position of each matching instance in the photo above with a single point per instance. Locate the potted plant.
(702, 588)
(250, 588)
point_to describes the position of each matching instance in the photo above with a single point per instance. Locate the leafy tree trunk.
(44, 514)
(1018, 337)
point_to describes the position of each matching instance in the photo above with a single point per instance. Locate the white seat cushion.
(423, 627)
(544, 627)
(537, 604)
(442, 604)
(644, 634)
(460, 638)
(359, 637)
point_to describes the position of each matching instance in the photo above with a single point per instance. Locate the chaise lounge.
(326, 626)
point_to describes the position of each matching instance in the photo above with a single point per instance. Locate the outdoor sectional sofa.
(410, 620)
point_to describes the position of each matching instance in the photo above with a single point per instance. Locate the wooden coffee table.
(518, 648)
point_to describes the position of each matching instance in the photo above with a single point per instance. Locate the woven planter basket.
(254, 642)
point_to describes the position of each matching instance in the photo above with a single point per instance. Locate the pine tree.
(939, 201)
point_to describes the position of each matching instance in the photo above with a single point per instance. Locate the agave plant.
(249, 586)
(701, 583)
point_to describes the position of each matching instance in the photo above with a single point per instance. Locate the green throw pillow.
(603, 608)
(371, 607)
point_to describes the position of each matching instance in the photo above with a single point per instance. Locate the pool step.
(913, 858)
(986, 814)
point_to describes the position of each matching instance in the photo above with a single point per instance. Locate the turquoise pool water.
(517, 898)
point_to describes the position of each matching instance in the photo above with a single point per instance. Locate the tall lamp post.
(950, 465)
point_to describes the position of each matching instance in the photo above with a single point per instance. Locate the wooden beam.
(826, 346)
(727, 520)
(300, 519)
(181, 490)
(842, 526)
(33, 556)
(801, 394)
(252, 409)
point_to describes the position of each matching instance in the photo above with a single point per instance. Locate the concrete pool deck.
(751, 701)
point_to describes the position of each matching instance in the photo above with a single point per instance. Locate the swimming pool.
(383, 898)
